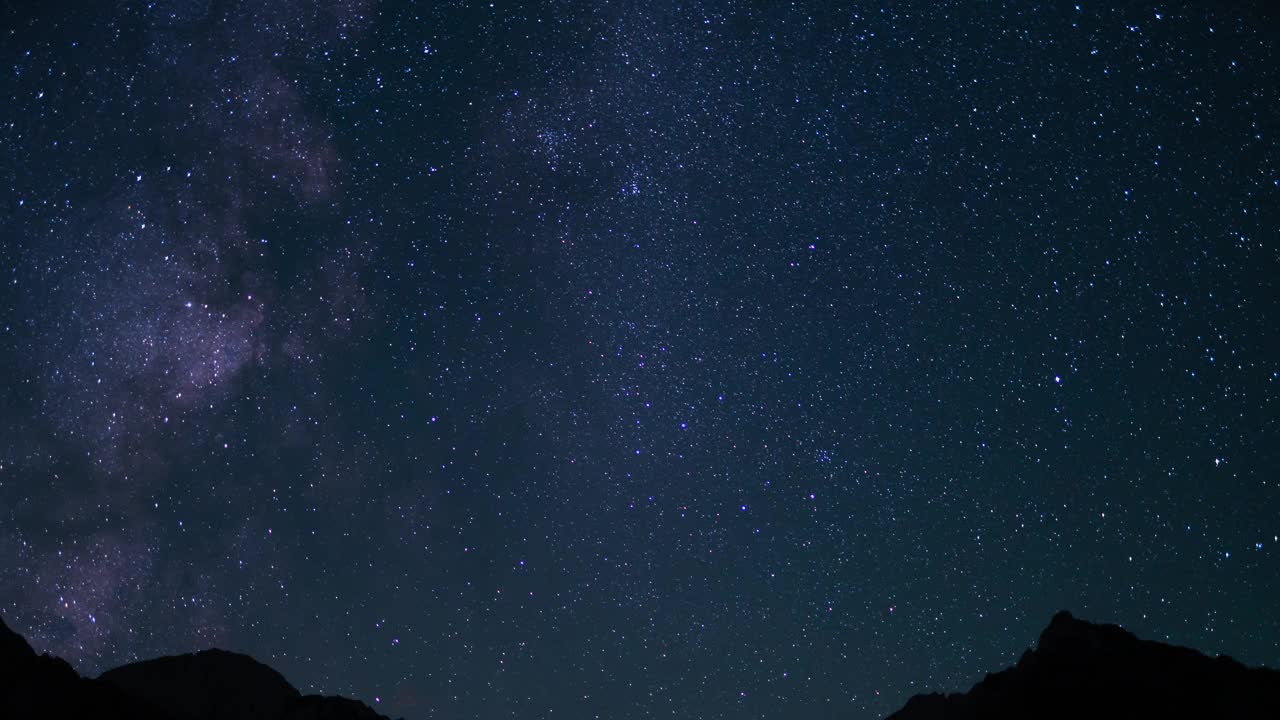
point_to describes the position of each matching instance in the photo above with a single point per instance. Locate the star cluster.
(637, 359)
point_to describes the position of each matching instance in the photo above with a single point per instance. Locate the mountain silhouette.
(208, 685)
(1082, 670)
(1077, 670)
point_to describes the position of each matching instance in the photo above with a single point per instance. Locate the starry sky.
(622, 359)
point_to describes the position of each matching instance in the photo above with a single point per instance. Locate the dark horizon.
(697, 359)
(1076, 669)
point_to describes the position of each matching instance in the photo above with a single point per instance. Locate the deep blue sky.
(637, 359)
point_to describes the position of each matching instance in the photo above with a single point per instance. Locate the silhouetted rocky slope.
(1082, 670)
(208, 685)
(41, 686)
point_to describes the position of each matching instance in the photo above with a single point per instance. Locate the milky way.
(634, 359)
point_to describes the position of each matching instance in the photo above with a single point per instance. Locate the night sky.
(653, 359)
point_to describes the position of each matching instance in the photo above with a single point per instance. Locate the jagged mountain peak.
(1080, 669)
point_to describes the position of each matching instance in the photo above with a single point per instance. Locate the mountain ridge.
(1080, 669)
(206, 685)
